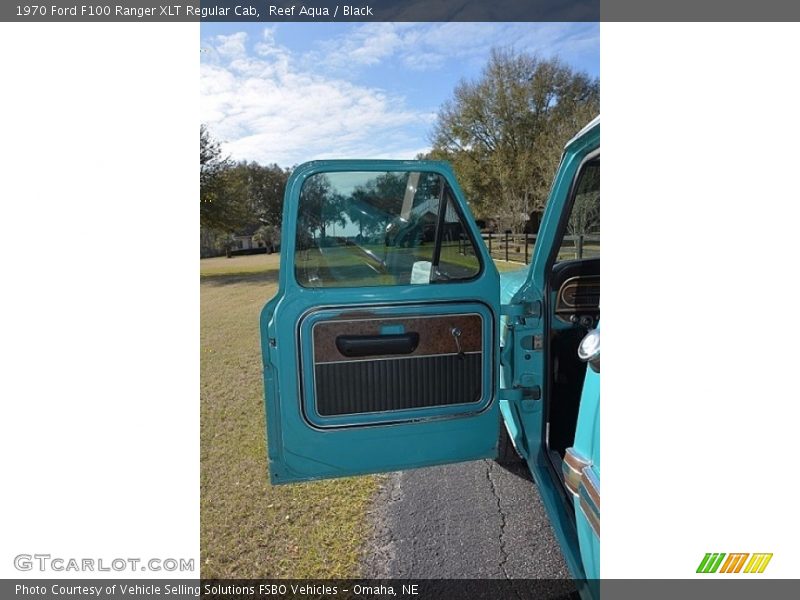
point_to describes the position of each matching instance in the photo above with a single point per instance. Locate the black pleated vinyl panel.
(344, 388)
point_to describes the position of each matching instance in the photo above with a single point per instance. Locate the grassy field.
(250, 529)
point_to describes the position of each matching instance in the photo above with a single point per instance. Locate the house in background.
(245, 241)
(250, 241)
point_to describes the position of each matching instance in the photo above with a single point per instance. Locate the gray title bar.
(400, 10)
(302, 10)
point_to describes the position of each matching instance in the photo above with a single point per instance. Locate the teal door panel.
(380, 349)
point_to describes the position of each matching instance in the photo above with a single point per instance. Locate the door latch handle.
(456, 333)
(375, 345)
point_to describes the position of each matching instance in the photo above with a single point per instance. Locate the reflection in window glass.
(582, 236)
(380, 228)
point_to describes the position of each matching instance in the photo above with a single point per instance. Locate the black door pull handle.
(375, 345)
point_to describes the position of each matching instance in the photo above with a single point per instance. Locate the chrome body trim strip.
(572, 468)
(589, 493)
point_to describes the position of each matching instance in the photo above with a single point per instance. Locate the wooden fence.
(518, 247)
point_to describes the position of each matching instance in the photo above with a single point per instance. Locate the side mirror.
(589, 349)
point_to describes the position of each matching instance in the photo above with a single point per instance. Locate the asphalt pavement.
(469, 520)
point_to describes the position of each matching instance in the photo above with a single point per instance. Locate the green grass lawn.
(250, 529)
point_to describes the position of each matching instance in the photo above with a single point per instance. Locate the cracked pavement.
(469, 520)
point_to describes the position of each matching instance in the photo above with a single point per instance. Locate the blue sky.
(293, 92)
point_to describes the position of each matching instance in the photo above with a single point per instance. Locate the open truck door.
(380, 349)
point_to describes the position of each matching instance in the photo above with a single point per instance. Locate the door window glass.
(582, 236)
(380, 228)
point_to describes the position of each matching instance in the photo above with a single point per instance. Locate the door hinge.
(522, 309)
(521, 355)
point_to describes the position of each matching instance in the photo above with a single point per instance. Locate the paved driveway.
(469, 520)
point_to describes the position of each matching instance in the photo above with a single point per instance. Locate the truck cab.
(394, 343)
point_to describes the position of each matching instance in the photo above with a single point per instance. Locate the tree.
(376, 201)
(269, 235)
(585, 215)
(222, 200)
(504, 132)
(264, 187)
(235, 197)
(320, 207)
